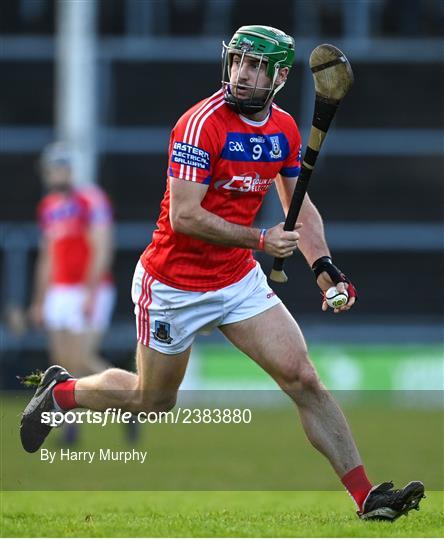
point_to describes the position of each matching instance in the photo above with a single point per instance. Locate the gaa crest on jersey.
(162, 332)
(275, 152)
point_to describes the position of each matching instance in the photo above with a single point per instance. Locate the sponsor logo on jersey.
(246, 183)
(187, 154)
(162, 332)
(257, 139)
(260, 148)
(276, 152)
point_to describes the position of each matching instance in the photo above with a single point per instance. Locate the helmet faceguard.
(267, 45)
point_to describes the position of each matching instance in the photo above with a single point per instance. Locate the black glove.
(324, 264)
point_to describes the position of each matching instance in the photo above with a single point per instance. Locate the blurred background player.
(73, 295)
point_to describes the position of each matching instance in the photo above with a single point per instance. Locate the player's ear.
(282, 75)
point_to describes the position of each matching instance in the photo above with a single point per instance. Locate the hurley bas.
(103, 454)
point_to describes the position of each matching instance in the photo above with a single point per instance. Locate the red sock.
(63, 394)
(357, 484)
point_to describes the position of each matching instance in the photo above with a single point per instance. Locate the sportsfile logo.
(248, 182)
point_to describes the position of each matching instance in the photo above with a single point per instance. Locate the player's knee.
(308, 378)
(288, 375)
(299, 374)
(148, 402)
(114, 376)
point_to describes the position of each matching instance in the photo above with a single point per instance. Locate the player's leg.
(69, 349)
(165, 336)
(273, 340)
(68, 330)
(72, 350)
(97, 326)
(56, 345)
(95, 361)
(65, 321)
(154, 387)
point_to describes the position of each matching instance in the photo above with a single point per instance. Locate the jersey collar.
(253, 123)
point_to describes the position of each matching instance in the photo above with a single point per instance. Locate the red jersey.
(65, 220)
(238, 159)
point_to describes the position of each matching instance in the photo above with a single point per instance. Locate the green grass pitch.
(201, 514)
(397, 443)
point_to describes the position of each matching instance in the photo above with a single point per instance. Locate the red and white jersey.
(65, 220)
(238, 159)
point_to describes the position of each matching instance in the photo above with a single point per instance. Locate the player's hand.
(35, 314)
(325, 282)
(280, 243)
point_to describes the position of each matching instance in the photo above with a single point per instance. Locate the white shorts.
(63, 308)
(168, 319)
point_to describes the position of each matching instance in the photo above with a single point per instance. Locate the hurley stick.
(333, 78)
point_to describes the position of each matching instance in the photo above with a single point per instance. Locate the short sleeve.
(100, 210)
(292, 165)
(193, 149)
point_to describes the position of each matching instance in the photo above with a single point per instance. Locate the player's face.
(248, 74)
(57, 178)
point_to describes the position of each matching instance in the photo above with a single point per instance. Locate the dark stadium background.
(379, 183)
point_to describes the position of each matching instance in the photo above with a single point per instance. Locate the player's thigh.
(273, 340)
(159, 374)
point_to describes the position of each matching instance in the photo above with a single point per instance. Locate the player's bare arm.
(189, 217)
(312, 242)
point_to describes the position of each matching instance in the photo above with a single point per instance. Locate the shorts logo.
(162, 332)
(276, 151)
(271, 294)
